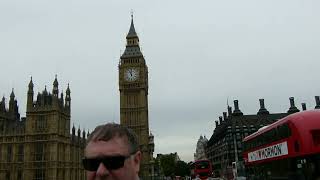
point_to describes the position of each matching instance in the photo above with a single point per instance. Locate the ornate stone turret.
(73, 132)
(151, 144)
(88, 133)
(38, 102)
(44, 97)
(79, 135)
(79, 132)
(61, 100)
(220, 120)
(30, 95)
(236, 111)
(45, 92)
(13, 107)
(293, 108)
(200, 149)
(84, 135)
(11, 102)
(262, 109)
(3, 105)
(55, 90)
(68, 98)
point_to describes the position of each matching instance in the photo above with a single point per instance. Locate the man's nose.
(102, 171)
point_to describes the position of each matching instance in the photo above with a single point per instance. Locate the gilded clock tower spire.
(133, 87)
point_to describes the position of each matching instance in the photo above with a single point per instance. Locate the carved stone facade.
(40, 146)
(200, 150)
(133, 87)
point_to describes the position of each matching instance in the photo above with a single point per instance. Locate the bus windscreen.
(203, 165)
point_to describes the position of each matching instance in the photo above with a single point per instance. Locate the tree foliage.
(182, 169)
(167, 162)
(170, 166)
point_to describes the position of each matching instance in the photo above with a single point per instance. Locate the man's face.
(114, 147)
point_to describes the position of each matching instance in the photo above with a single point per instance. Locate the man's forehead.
(113, 146)
(116, 137)
(101, 136)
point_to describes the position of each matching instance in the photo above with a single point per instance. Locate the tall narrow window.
(39, 174)
(1, 127)
(8, 175)
(19, 175)
(20, 153)
(9, 153)
(39, 151)
(0, 152)
(41, 123)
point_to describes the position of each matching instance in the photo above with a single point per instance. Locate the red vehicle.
(201, 169)
(287, 149)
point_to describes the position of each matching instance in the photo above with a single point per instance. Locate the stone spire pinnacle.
(3, 105)
(132, 46)
(68, 97)
(12, 102)
(68, 90)
(31, 84)
(55, 90)
(55, 83)
(132, 32)
(12, 94)
(45, 92)
(30, 95)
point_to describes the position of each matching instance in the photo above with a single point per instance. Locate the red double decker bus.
(201, 169)
(286, 149)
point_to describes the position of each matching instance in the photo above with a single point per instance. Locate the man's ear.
(136, 161)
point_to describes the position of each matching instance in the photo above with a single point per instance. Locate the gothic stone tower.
(40, 146)
(133, 86)
(47, 133)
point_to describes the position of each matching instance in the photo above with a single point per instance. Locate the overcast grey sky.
(199, 54)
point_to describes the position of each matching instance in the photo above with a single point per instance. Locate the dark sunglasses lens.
(115, 162)
(91, 164)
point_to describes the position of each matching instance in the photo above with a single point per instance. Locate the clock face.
(131, 74)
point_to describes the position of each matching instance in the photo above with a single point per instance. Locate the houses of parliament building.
(40, 146)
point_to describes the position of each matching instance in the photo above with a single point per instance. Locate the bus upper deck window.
(284, 131)
(296, 146)
(316, 137)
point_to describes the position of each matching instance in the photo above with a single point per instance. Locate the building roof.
(242, 122)
(132, 32)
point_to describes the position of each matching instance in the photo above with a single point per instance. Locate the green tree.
(182, 169)
(167, 162)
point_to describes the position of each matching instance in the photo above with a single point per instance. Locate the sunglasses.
(110, 162)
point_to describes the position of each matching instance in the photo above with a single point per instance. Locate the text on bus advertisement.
(276, 150)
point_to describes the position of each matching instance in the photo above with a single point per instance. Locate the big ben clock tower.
(133, 87)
